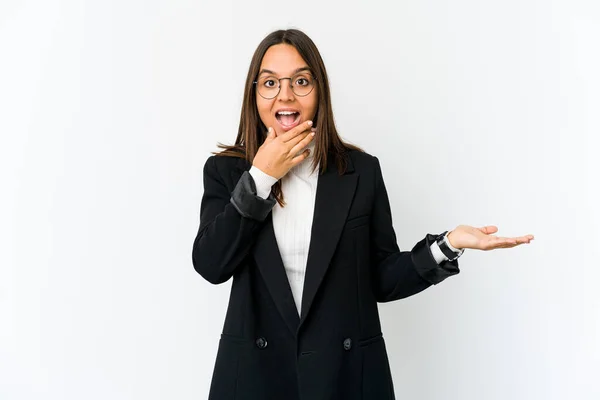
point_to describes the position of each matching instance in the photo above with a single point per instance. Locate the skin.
(469, 237)
(284, 60)
(278, 154)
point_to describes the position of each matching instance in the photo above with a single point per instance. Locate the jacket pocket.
(235, 339)
(355, 222)
(376, 377)
(369, 340)
(225, 374)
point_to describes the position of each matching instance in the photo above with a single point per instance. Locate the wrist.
(447, 248)
(451, 243)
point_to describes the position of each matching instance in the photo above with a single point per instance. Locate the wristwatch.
(442, 241)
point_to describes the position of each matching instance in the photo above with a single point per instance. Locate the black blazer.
(335, 348)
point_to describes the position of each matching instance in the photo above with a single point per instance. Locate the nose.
(285, 90)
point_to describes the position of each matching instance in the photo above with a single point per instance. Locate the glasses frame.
(255, 83)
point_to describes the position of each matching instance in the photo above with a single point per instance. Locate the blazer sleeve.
(399, 274)
(229, 222)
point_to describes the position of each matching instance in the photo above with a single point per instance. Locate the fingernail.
(270, 129)
(309, 123)
(313, 133)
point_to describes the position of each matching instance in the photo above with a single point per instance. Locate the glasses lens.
(302, 84)
(268, 87)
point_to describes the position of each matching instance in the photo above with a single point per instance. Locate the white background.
(484, 112)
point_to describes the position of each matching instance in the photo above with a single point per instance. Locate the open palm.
(469, 237)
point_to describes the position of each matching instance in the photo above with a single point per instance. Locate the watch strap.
(444, 245)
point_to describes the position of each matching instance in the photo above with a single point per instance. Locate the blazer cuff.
(426, 264)
(246, 201)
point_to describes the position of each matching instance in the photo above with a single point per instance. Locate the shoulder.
(363, 161)
(224, 164)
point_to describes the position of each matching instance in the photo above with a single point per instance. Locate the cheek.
(264, 110)
(311, 105)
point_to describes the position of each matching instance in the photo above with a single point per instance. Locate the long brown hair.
(252, 132)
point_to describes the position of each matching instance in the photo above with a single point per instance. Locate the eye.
(302, 81)
(269, 83)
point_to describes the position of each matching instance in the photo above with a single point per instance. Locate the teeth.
(286, 112)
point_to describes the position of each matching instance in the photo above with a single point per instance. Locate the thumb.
(489, 229)
(271, 134)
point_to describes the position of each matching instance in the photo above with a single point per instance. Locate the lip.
(296, 121)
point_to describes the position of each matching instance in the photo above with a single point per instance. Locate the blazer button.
(261, 342)
(347, 344)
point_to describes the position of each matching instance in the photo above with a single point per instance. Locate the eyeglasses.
(302, 84)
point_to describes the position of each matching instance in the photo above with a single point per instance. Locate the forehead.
(282, 59)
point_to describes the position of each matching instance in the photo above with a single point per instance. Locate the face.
(287, 109)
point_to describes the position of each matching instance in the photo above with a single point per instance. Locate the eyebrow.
(268, 71)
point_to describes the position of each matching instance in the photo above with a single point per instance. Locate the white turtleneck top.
(292, 224)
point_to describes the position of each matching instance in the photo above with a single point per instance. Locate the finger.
(502, 245)
(505, 246)
(300, 157)
(295, 131)
(271, 134)
(500, 242)
(489, 229)
(522, 239)
(302, 144)
(503, 239)
(511, 241)
(297, 138)
(305, 137)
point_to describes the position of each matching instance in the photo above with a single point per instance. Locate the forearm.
(228, 225)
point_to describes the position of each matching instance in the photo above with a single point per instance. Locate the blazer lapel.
(270, 264)
(333, 199)
(332, 203)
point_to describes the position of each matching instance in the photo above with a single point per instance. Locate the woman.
(302, 222)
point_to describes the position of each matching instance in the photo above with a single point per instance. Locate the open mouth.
(288, 119)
